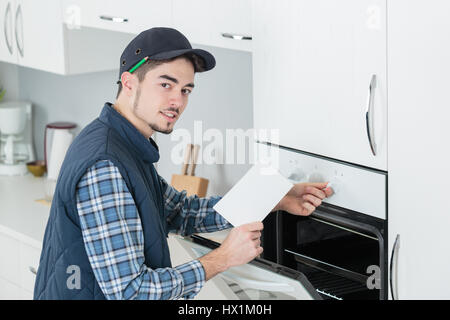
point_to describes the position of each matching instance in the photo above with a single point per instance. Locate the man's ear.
(129, 83)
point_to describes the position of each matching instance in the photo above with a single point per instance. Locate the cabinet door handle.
(393, 269)
(8, 44)
(113, 19)
(21, 49)
(32, 270)
(236, 36)
(369, 116)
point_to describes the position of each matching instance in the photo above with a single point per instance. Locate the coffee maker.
(16, 139)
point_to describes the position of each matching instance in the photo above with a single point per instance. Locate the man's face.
(163, 95)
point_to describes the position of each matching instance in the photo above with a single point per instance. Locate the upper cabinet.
(77, 36)
(218, 23)
(35, 35)
(29, 38)
(39, 40)
(320, 77)
(8, 47)
(132, 16)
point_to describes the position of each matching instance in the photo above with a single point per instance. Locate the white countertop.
(20, 215)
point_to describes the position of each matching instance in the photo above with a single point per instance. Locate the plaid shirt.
(114, 239)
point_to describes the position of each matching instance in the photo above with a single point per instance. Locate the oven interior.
(339, 260)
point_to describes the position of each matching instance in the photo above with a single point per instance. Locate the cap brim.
(208, 58)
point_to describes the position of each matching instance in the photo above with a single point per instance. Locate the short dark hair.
(197, 62)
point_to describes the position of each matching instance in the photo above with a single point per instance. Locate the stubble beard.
(153, 126)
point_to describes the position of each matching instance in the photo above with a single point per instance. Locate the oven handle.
(394, 256)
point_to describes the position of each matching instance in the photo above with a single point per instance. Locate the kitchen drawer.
(133, 16)
(28, 258)
(9, 259)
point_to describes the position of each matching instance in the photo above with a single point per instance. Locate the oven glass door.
(258, 280)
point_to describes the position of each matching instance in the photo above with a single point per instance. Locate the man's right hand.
(242, 245)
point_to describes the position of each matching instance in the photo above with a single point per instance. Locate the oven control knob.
(297, 176)
(335, 184)
(316, 177)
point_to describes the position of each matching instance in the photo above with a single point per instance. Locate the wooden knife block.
(192, 184)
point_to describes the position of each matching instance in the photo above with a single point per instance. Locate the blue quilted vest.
(111, 137)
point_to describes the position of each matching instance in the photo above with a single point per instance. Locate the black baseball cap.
(159, 44)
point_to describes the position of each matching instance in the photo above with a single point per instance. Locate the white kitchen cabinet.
(189, 18)
(134, 16)
(22, 228)
(7, 46)
(313, 65)
(32, 39)
(80, 36)
(9, 291)
(9, 261)
(17, 257)
(39, 38)
(419, 209)
(28, 265)
(219, 23)
(39, 35)
(226, 24)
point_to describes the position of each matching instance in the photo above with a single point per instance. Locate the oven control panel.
(355, 188)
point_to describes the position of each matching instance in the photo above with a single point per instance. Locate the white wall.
(9, 79)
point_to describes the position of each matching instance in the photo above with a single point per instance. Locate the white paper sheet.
(254, 196)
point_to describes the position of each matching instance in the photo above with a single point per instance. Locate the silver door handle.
(19, 10)
(32, 270)
(236, 36)
(9, 45)
(394, 269)
(113, 19)
(370, 117)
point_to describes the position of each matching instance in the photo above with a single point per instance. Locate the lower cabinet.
(17, 259)
(9, 290)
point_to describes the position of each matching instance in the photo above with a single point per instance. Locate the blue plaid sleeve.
(187, 215)
(114, 242)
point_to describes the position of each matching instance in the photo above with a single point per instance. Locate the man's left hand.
(304, 198)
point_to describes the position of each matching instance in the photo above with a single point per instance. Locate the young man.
(106, 237)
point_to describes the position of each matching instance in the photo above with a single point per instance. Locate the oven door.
(257, 280)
